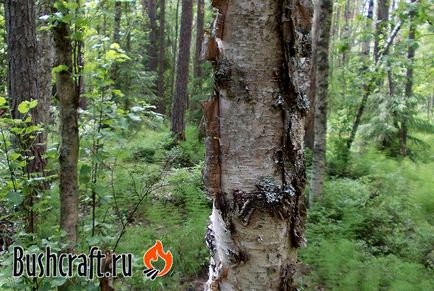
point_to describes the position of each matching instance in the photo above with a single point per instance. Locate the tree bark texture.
(161, 58)
(181, 88)
(200, 18)
(321, 38)
(69, 135)
(22, 53)
(23, 86)
(45, 65)
(153, 39)
(174, 51)
(254, 169)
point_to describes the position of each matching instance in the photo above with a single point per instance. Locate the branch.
(389, 42)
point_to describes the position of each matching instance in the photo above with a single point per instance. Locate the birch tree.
(254, 169)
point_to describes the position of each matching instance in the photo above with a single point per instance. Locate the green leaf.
(57, 282)
(3, 101)
(24, 107)
(33, 103)
(60, 68)
(115, 46)
(118, 92)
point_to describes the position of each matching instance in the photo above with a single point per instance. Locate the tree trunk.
(403, 132)
(116, 38)
(153, 40)
(23, 86)
(45, 65)
(320, 48)
(199, 38)
(174, 52)
(181, 91)
(382, 13)
(69, 135)
(161, 59)
(254, 162)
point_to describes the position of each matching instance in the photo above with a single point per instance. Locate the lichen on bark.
(261, 56)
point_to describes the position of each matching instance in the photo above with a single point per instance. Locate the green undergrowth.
(175, 211)
(374, 231)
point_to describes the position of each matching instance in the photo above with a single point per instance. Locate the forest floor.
(373, 230)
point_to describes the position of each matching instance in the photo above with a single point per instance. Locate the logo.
(154, 254)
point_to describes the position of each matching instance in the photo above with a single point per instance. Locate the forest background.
(124, 81)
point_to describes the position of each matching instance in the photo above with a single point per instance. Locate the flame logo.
(153, 254)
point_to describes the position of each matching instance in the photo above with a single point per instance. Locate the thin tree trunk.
(321, 38)
(174, 52)
(116, 38)
(153, 40)
(181, 93)
(23, 86)
(199, 38)
(161, 58)
(403, 132)
(45, 65)
(254, 167)
(69, 135)
(382, 14)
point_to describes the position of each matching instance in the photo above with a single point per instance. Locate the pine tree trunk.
(321, 39)
(69, 135)
(23, 86)
(254, 169)
(153, 40)
(161, 59)
(199, 38)
(174, 52)
(181, 89)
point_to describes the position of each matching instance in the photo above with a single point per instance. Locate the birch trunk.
(254, 168)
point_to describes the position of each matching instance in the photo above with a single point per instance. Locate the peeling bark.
(261, 58)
